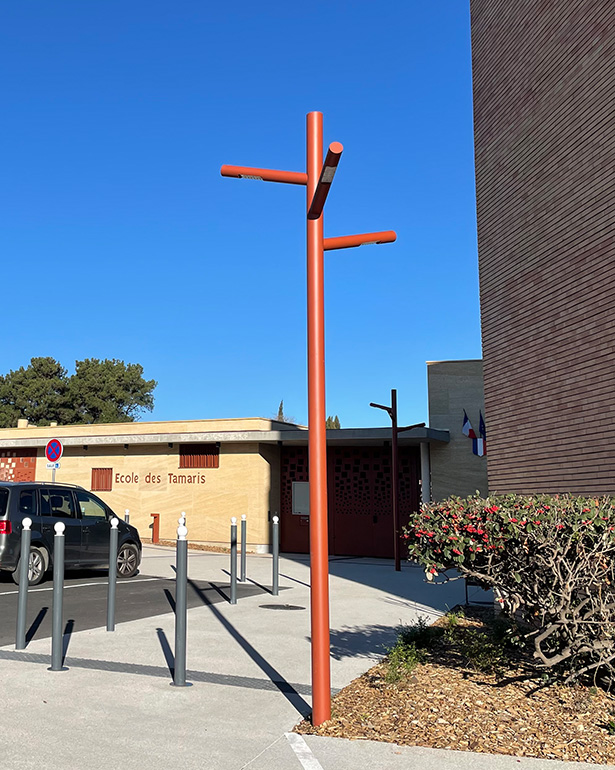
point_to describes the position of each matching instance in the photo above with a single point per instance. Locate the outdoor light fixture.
(317, 179)
(392, 412)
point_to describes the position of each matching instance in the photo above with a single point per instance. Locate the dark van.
(87, 520)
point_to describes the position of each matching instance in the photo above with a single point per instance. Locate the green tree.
(109, 391)
(333, 423)
(281, 417)
(38, 393)
(99, 391)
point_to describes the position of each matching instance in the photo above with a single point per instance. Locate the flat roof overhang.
(339, 437)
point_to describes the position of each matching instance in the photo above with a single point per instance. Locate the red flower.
(457, 552)
(537, 523)
(513, 521)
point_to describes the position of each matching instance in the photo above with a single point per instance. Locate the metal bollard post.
(127, 516)
(242, 576)
(58, 588)
(24, 565)
(181, 616)
(275, 588)
(233, 560)
(113, 537)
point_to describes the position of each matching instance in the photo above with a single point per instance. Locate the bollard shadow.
(68, 630)
(35, 624)
(166, 651)
(249, 580)
(289, 692)
(170, 599)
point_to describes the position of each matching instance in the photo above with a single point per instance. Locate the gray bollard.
(242, 575)
(58, 589)
(113, 537)
(181, 616)
(24, 564)
(233, 560)
(127, 516)
(275, 588)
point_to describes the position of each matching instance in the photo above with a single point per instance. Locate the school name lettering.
(156, 478)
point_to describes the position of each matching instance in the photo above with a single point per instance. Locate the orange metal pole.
(317, 437)
(264, 174)
(364, 239)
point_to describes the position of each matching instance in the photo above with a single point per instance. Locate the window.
(199, 456)
(102, 479)
(90, 507)
(4, 496)
(57, 502)
(27, 502)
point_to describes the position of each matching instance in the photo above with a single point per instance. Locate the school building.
(216, 469)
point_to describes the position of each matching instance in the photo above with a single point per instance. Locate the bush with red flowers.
(550, 561)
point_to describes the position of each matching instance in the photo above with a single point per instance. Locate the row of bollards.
(181, 581)
(275, 583)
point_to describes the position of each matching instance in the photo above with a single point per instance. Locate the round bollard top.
(59, 527)
(127, 510)
(234, 520)
(182, 520)
(26, 523)
(182, 532)
(243, 516)
(114, 523)
(276, 519)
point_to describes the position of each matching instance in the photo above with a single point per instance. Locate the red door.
(359, 493)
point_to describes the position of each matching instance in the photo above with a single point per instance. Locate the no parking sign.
(53, 452)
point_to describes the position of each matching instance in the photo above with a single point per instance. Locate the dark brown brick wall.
(544, 113)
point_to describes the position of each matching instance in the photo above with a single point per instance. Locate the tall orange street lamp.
(317, 179)
(392, 412)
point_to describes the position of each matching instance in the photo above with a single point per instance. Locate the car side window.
(90, 507)
(27, 502)
(57, 502)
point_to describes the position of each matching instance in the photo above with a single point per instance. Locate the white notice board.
(301, 498)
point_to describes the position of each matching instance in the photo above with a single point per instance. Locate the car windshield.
(4, 496)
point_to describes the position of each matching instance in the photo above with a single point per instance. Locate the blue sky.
(120, 239)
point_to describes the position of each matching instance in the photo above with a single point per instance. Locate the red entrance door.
(360, 504)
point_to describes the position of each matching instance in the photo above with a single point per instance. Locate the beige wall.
(147, 479)
(455, 386)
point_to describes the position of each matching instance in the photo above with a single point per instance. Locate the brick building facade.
(544, 82)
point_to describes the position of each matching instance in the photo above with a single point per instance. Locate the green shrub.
(550, 561)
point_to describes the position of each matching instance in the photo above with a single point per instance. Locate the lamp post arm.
(264, 174)
(363, 239)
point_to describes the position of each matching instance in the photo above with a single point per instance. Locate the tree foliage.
(550, 561)
(281, 417)
(333, 423)
(98, 391)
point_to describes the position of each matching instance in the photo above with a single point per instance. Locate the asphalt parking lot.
(85, 601)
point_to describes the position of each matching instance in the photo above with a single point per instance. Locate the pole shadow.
(170, 598)
(249, 580)
(166, 651)
(68, 630)
(35, 624)
(289, 692)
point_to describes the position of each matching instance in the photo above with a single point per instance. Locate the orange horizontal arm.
(349, 241)
(264, 174)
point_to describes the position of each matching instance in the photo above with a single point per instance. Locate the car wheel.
(36, 568)
(127, 560)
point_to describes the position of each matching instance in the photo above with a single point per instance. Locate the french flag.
(466, 428)
(479, 445)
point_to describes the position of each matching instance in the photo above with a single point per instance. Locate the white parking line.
(81, 585)
(303, 752)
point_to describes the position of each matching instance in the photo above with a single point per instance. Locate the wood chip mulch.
(198, 546)
(445, 704)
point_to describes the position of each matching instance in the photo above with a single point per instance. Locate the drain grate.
(281, 607)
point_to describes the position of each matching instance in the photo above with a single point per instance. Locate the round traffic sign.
(53, 450)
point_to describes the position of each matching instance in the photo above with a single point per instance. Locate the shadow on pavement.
(274, 676)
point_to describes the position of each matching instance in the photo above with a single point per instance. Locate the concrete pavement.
(249, 665)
